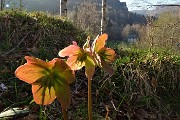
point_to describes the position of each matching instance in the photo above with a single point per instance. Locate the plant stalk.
(64, 112)
(89, 100)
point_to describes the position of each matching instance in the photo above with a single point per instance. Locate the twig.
(15, 46)
(105, 81)
(77, 88)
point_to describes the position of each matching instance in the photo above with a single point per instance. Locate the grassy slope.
(150, 79)
(145, 85)
(35, 33)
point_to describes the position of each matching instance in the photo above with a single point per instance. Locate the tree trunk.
(75, 18)
(2, 5)
(21, 5)
(103, 18)
(63, 8)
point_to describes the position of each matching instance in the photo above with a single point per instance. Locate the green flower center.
(82, 56)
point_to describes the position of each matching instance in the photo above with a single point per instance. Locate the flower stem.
(64, 112)
(89, 100)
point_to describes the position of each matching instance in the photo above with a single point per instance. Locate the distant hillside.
(116, 4)
(142, 12)
(171, 9)
(117, 12)
(118, 15)
(114, 7)
(53, 7)
(158, 10)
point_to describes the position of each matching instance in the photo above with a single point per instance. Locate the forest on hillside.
(117, 14)
(87, 15)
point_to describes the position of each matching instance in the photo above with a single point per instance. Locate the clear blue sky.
(143, 4)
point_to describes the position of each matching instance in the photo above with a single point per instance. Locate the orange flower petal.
(29, 73)
(33, 69)
(110, 55)
(74, 63)
(38, 62)
(63, 70)
(70, 50)
(100, 42)
(107, 68)
(63, 93)
(42, 95)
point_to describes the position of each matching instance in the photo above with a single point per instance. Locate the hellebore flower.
(49, 80)
(79, 57)
(102, 54)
